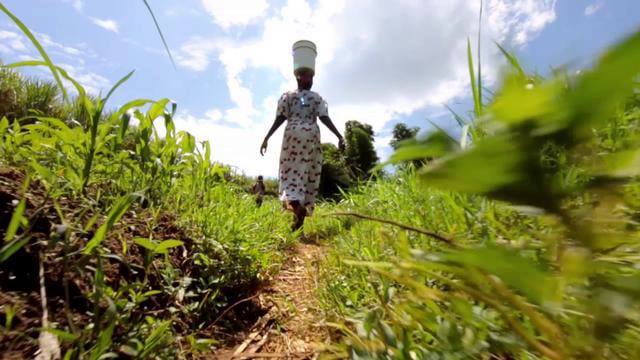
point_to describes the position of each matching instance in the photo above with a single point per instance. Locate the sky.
(379, 61)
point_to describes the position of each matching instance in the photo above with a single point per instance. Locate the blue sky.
(379, 62)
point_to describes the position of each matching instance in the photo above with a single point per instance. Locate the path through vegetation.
(292, 326)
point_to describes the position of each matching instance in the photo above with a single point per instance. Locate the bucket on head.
(304, 56)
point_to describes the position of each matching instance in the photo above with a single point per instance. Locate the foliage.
(360, 154)
(553, 279)
(402, 133)
(144, 240)
(522, 240)
(335, 177)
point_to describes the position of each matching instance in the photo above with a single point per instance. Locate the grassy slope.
(166, 300)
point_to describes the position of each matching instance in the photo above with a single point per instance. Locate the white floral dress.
(301, 154)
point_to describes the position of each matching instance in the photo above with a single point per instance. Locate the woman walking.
(301, 152)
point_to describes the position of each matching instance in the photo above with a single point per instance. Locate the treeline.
(341, 171)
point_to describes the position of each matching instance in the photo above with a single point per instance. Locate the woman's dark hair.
(259, 177)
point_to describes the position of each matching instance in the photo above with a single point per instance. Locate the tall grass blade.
(464, 137)
(472, 77)
(480, 58)
(512, 60)
(459, 119)
(443, 131)
(18, 213)
(116, 212)
(164, 42)
(15, 221)
(115, 87)
(41, 50)
(12, 247)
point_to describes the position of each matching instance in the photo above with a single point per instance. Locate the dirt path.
(291, 328)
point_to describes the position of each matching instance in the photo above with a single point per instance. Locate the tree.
(361, 156)
(436, 143)
(335, 175)
(401, 133)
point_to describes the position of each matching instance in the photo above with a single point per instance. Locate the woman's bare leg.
(300, 212)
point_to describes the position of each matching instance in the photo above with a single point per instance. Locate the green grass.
(539, 215)
(154, 241)
(523, 245)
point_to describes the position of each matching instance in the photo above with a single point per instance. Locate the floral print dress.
(301, 154)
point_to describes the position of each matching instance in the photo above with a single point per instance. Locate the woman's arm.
(329, 124)
(276, 124)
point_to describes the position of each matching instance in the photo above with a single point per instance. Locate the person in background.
(259, 189)
(301, 152)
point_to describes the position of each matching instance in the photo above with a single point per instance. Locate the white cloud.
(195, 53)
(49, 43)
(375, 62)
(17, 47)
(26, 58)
(593, 8)
(520, 20)
(93, 83)
(77, 4)
(12, 42)
(107, 24)
(228, 13)
(233, 146)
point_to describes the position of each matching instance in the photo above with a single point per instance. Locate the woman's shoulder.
(288, 93)
(315, 97)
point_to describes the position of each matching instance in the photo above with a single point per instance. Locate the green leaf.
(459, 119)
(519, 101)
(16, 220)
(40, 49)
(188, 142)
(130, 105)
(49, 121)
(153, 340)
(164, 42)
(151, 293)
(12, 247)
(146, 243)
(168, 244)
(486, 167)
(597, 92)
(4, 125)
(42, 171)
(116, 212)
(120, 82)
(516, 271)
(435, 145)
(480, 57)
(169, 125)
(157, 109)
(464, 137)
(104, 341)
(207, 152)
(513, 61)
(620, 165)
(477, 102)
(62, 335)
(92, 221)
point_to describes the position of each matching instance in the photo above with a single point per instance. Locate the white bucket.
(304, 55)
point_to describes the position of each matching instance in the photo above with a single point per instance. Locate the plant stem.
(400, 225)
